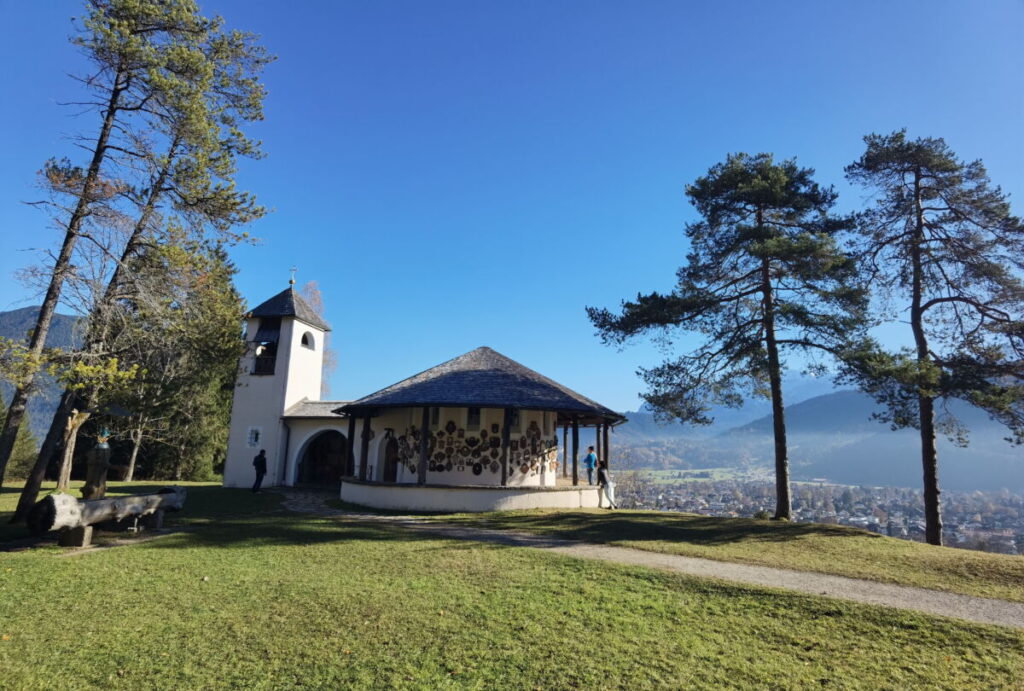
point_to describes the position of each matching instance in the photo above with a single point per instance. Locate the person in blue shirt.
(590, 462)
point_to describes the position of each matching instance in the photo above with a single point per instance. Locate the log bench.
(75, 518)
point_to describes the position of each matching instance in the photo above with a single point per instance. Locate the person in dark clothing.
(605, 486)
(260, 464)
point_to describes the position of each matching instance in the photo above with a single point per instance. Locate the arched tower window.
(307, 341)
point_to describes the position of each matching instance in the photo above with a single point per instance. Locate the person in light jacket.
(589, 462)
(606, 488)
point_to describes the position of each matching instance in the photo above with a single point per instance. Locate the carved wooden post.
(350, 461)
(421, 468)
(607, 448)
(364, 451)
(506, 431)
(575, 452)
(565, 450)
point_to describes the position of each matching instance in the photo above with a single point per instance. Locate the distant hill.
(834, 437)
(16, 325)
(831, 436)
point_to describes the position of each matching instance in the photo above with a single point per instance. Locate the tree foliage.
(185, 339)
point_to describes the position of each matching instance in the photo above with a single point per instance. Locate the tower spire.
(291, 281)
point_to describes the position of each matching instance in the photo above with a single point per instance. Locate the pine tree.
(942, 243)
(763, 275)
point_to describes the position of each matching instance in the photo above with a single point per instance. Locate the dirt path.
(969, 608)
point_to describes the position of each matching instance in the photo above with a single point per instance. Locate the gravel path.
(975, 609)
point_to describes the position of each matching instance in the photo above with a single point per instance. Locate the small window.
(253, 436)
(308, 341)
(473, 419)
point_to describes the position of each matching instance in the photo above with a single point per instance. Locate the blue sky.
(465, 173)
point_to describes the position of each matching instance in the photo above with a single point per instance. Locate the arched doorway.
(324, 460)
(391, 460)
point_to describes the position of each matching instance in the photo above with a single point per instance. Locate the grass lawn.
(273, 600)
(802, 546)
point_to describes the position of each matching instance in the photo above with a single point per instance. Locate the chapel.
(478, 432)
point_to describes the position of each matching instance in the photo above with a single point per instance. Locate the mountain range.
(833, 436)
(17, 325)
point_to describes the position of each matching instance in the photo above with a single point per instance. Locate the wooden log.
(63, 512)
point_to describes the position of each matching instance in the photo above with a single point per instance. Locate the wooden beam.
(597, 441)
(506, 431)
(565, 450)
(607, 448)
(421, 467)
(350, 460)
(575, 453)
(364, 449)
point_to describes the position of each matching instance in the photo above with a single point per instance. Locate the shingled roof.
(289, 303)
(315, 409)
(483, 378)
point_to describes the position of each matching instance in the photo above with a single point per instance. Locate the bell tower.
(282, 365)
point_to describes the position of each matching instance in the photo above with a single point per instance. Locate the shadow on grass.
(284, 530)
(668, 527)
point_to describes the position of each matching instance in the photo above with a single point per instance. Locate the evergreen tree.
(763, 275)
(941, 245)
(186, 345)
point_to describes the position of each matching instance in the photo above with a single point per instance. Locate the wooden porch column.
(506, 431)
(350, 456)
(565, 450)
(597, 441)
(421, 467)
(607, 448)
(364, 448)
(575, 452)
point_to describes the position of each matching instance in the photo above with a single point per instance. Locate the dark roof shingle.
(289, 303)
(483, 378)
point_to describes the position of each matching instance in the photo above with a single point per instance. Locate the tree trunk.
(783, 503)
(34, 481)
(136, 443)
(70, 439)
(925, 402)
(16, 410)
